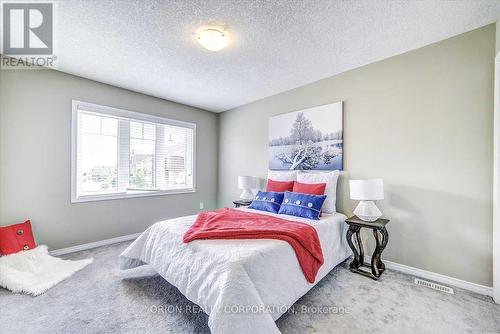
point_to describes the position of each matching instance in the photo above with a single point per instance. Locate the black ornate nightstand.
(240, 202)
(381, 238)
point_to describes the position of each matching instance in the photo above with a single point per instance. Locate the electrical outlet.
(202, 205)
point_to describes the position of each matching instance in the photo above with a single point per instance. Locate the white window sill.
(130, 194)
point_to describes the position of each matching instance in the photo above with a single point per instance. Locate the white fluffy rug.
(35, 271)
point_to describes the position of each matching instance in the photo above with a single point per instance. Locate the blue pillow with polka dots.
(302, 205)
(267, 201)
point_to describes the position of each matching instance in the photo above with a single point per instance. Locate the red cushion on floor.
(15, 238)
(279, 186)
(309, 188)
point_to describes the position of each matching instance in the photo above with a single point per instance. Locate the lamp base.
(367, 211)
(247, 195)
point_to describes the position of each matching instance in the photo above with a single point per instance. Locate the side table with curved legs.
(381, 239)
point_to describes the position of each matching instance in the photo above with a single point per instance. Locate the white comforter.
(243, 285)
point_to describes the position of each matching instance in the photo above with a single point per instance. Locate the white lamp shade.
(247, 182)
(367, 190)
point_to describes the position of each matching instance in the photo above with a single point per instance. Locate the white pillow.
(282, 175)
(330, 178)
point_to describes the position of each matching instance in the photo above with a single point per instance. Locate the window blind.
(123, 153)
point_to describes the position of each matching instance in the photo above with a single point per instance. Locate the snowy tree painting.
(310, 139)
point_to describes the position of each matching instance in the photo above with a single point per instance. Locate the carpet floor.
(102, 299)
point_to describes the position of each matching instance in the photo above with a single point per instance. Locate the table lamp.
(247, 183)
(367, 192)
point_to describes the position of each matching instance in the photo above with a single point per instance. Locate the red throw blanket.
(236, 224)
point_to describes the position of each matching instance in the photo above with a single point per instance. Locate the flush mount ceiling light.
(212, 39)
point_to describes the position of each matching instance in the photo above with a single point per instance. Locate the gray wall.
(35, 121)
(497, 36)
(422, 121)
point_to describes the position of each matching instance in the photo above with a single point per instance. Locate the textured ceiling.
(149, 47)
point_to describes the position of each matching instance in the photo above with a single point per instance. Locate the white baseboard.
(438, 278)
(95, 244)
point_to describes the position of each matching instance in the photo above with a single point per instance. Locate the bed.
(243, 285)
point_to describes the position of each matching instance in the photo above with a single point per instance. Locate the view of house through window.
(119, 155)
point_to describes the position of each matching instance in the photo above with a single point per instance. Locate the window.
(118, 153)
(142, 155)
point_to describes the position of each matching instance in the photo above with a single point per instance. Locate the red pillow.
(309, 188)
(279, 186)
(15, 238)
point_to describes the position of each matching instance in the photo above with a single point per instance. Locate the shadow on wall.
(416, 227)
(261, 183)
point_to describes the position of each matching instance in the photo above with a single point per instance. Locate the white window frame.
(116, 112)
